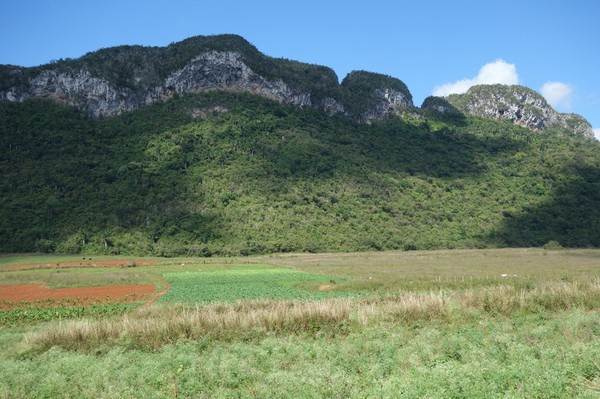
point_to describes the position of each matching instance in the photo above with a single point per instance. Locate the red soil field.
(84, 263)
(18, 295)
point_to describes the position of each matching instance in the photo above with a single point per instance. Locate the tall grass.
(156, 326)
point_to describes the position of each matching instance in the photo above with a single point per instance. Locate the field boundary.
(82, 264)
(156, 296)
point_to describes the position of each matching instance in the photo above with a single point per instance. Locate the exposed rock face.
(208, 71)
(332, 106)
(518, 104)
(112, 81)
(85, 92)
(378, 95)
(576, 124)
(387, 102)
(439, 105)
(226, 70)
(371, 96)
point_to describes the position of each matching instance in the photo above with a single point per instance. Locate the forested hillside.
(230, 173)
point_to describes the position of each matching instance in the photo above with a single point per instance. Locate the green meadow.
(509, 323)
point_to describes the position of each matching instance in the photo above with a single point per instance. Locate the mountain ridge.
(120, 79)
(241, 154)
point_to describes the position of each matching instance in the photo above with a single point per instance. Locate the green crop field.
(248, 283)
(513, 323)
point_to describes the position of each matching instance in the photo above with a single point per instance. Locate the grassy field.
(514, 323)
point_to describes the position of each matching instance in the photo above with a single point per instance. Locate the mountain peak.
(518, 104)
(372, 95)
(114, 80)
(110, 81)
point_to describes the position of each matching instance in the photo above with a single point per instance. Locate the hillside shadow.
(439, 109)
(83, 183)
(571, 217)
(134, 182)
(336, 146)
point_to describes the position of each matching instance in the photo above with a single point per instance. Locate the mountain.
(111, 81)
(208, 147)
(116, 80)
(519, 105)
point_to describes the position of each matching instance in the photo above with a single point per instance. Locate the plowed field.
(18, 295)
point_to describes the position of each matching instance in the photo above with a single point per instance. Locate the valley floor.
(514, 323)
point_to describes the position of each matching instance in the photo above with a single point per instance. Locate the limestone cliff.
(227, 71)
(518, 104)
(112, 81)
(372, 96)
(208, 71)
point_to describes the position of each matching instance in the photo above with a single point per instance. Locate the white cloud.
(498, 71)
(558, 94)
(597, 133)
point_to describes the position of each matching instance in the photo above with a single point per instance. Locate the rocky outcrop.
(518, 104)
(332, 106)
(366, 96)
(111, 81)
(576, 124)
(371, 96)
(386, 102)
(226, 71)
(438, 105)
(208, 71)
(83, 91)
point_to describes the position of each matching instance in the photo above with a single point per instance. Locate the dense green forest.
(228, 174)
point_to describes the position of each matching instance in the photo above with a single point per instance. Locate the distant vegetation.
(260, 177)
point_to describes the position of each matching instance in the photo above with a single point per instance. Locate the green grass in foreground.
(533, 356)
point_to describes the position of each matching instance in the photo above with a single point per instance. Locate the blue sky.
(550, 46)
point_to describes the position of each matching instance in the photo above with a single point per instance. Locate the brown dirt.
(19, 295)
(166, 287)
(83, 263)
(325, 287)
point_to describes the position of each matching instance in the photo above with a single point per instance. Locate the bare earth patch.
(325, 287)
(20, 295)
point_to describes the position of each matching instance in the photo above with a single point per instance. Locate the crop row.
(23, 316)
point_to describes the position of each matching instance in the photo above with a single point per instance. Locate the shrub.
(45, 246)
(553, 245)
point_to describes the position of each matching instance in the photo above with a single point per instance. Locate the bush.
(553, 245)
(45, 246)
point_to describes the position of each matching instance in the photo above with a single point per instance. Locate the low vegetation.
(442, 324)
(27, 314)
(247, 283)
(158, 326)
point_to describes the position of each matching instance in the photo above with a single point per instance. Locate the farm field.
(441, 324)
